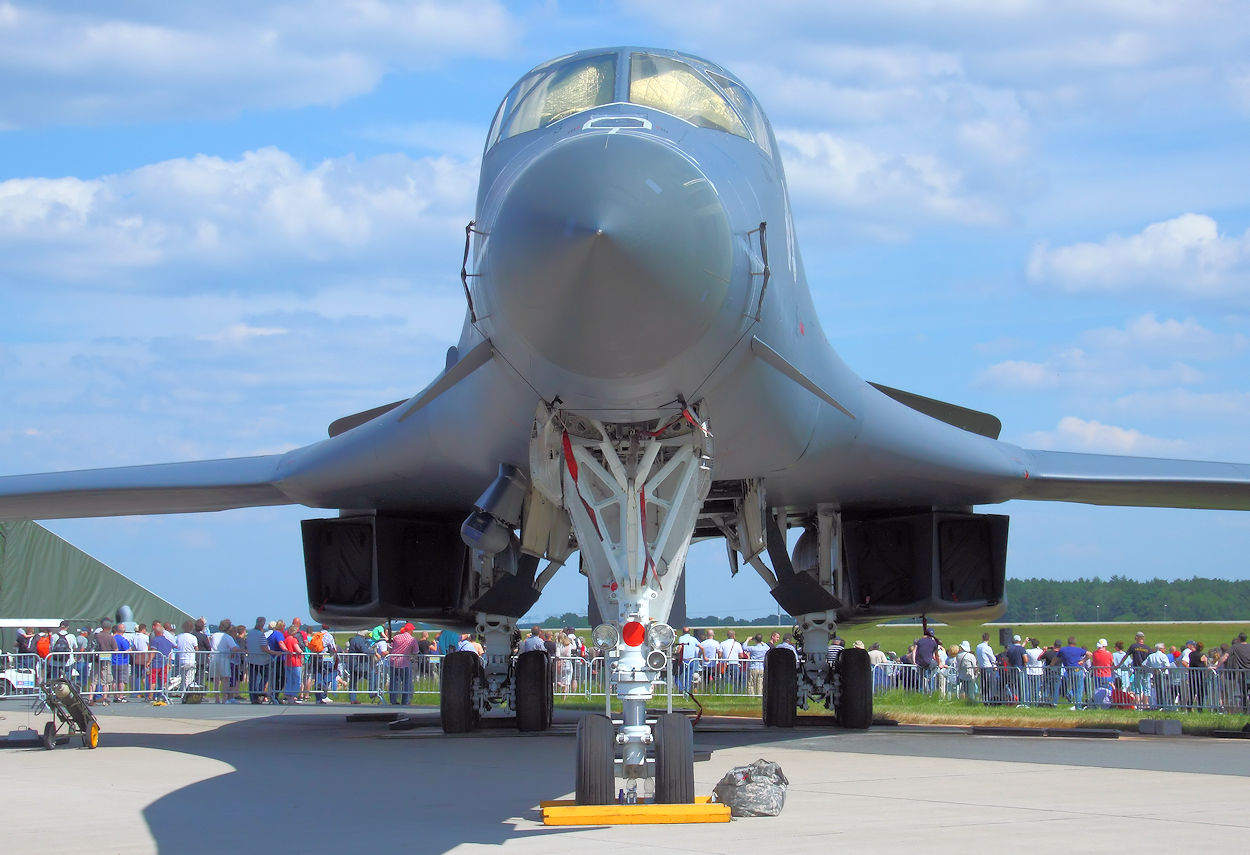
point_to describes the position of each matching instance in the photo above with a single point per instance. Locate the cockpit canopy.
(690, 89)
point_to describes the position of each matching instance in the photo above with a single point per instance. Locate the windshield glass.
(747, 108)
(676, 88)
(563, 91)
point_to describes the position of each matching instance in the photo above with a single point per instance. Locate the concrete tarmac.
(190, 779)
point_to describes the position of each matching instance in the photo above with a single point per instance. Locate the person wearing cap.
(1192, 695)
(1100, 659)
(277, 678)
(928, 650)
(1016, 659)
(61, 653)
(324, 665)
(360, 663)
(400, 661)
(1137, 652)
(293, 673)
(965, 670)
(1160, 665)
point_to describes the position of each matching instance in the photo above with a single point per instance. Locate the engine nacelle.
(933, 563)
(365, 569)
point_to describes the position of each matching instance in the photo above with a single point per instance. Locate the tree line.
(1122, 599)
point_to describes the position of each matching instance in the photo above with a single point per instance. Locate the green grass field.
(914, 708)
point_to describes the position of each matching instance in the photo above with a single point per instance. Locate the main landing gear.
(789, 684)
(472, 687)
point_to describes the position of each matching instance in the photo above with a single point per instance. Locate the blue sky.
(222, 227)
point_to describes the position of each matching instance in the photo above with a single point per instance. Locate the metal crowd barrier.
(106, 676)
(414, 678)
(1143, 688)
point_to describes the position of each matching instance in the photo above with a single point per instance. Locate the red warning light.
(633, 633)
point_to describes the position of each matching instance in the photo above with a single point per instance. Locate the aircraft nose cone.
(610, 255)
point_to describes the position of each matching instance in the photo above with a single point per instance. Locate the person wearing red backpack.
(43, 644)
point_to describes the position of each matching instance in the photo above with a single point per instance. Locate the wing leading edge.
(1104, 479)
(163, 488)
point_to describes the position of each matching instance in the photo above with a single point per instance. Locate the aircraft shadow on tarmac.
(316, 781)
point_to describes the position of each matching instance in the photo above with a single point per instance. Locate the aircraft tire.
(455, 699)
(781, 692)
(674, 760)
(49, 736)
(533, 691)
(596, 756)
(854, 706)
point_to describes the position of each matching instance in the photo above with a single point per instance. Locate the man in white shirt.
(185, 647)
(222, 647)
(757, 650)
(1034, 671)
(731, 663)
(709, 650)
(690, 656)
(985, 652)
(1161, 665)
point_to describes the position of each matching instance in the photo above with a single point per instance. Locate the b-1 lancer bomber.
(641, 365)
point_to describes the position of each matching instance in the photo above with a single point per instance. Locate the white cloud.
(850, 175)
(460, 139)
(241, 332)
(205, 215)
(1017, 374)
(1186, 402)
(138, 61)
(1075, 434)
(1078, 370)
(1185, 339)
(1186, 255)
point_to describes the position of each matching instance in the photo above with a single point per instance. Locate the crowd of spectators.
(275, 662)
(1026, 672)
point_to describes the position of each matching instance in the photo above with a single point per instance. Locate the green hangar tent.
(43, 576)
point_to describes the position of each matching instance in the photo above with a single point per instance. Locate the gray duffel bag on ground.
(755, 790)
